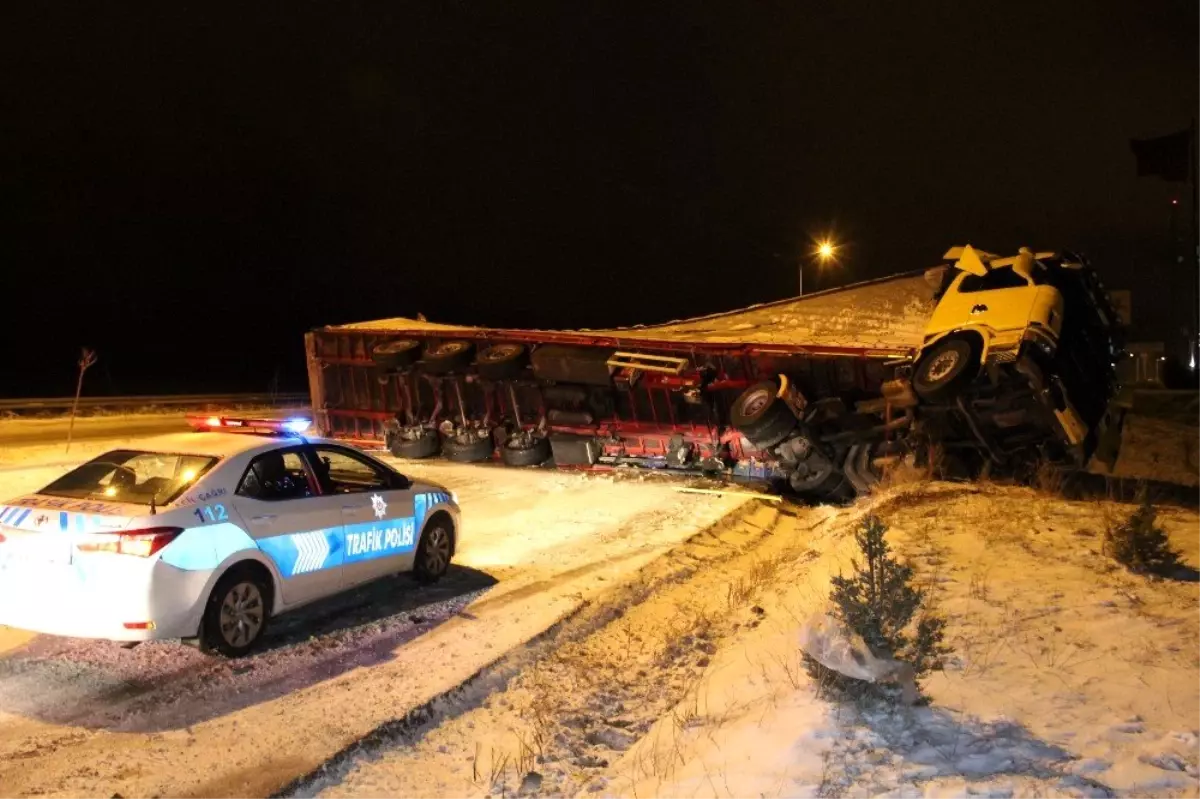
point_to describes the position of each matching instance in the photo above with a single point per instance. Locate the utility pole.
(1195, 257)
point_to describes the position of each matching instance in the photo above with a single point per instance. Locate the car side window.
(994, 279)
(347, 473)
(275, 476)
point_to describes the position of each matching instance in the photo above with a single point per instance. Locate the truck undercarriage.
(817, 412)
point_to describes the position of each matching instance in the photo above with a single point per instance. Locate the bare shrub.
(1139, 545)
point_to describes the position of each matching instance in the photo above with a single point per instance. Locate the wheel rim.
(500, 352)
(942, 365)
(242, 613)
(437, 550)
(449, 348)
(756, 402)
(393, 347)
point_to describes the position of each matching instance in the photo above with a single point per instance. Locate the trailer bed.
(883, 317)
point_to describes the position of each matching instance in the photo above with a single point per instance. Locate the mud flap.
(850, 469)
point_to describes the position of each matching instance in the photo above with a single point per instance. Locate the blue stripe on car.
(200, 548)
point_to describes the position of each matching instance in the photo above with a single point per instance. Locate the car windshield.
(133, 476)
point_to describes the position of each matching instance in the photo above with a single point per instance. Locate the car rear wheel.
(236, 615)
(433, 552)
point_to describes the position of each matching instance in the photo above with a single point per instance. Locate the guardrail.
(178, 400)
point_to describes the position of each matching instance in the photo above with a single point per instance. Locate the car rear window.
(133, 476)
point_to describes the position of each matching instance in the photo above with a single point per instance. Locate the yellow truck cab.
(994, 311)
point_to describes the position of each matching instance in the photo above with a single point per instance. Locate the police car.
(206, 535)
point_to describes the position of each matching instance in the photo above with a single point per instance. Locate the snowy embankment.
(1068, 676)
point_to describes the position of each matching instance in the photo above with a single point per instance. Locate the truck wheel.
(449, 356)
(474, 451)
(761, 416)
(535, 454)
(502, 361)
(396, 354)
(415, 448)
(235, 617)
(945, 369)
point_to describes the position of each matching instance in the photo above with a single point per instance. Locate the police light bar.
(232, 424)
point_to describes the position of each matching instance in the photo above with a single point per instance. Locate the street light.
(826, 251)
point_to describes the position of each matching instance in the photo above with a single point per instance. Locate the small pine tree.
(1139, 545)
(879, 602)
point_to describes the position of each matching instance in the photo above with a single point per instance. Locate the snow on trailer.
(814, 393)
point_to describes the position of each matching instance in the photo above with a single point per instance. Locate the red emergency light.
(232, 424)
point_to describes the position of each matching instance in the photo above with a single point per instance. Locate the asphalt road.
(36, 432)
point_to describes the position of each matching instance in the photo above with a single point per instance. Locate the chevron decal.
(312, 549)
(297, 554)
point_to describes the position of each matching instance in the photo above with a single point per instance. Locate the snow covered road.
(91, 718)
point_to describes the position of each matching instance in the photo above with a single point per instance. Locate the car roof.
(216, 444)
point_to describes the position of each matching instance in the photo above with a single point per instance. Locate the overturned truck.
(981, 362)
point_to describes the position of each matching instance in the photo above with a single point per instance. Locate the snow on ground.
(885, 314)
(1069, 677)
(87, 718)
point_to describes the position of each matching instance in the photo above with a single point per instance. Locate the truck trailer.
(980, 362)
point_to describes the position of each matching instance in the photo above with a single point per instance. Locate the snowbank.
(1070, 677)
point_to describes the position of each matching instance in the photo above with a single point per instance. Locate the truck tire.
(761, 416)
(473, 451)
(533, 455)
(945, 370)
(449, 356)
(414, 449)
(502, 361)
(398, 354)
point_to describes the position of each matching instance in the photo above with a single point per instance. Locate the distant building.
(1142, 364)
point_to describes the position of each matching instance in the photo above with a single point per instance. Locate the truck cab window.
(995, 279)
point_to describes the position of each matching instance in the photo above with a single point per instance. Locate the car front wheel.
(433, 553)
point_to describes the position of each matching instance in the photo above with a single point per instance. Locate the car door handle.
(979, 308)
(264, 519)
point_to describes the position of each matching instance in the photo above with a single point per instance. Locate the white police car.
(207, 535)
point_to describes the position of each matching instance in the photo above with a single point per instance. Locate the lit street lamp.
(825, 252)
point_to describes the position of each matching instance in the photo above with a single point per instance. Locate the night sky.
(189, 191)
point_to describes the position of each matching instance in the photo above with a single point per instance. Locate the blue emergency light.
(295, 425)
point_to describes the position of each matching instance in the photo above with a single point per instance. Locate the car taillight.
(140, 543)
